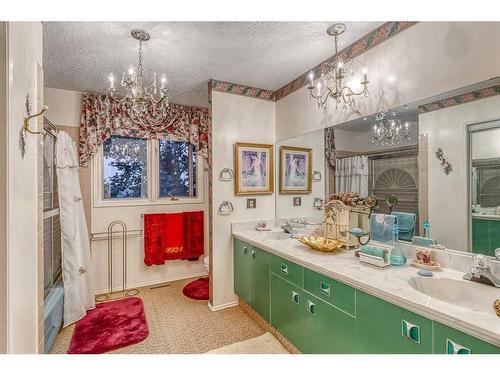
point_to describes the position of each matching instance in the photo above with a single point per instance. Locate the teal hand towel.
(406, 225)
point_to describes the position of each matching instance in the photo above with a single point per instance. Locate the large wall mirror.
(440, 158)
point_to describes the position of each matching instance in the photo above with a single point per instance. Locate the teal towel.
(421, 241)
(406, 225)
(373, 250)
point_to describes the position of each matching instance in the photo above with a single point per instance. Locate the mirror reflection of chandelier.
(144, 97)
(388, 130)
(331, 83)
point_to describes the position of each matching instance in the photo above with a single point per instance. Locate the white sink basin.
(466, 294)
(275, 235)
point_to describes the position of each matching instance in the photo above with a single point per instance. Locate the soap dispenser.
(397, 258)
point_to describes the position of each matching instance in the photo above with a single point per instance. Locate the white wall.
(486, 144)
(235, 119)
(448, 194)
(24, 51)
(427, 59)
(65, 109)
(284, 202)
(65, 106)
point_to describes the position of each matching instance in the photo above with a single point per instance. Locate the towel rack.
(99, 236)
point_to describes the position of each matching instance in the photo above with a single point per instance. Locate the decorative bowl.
(321, 243)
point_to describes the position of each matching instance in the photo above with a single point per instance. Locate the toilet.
(206, 263)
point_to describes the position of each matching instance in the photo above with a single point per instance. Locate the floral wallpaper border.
(235, 88)
(460, 99)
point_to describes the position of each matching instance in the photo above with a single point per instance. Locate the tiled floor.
(178, 324)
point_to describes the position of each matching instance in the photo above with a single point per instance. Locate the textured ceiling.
(80, 55)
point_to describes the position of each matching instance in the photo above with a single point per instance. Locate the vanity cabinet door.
(451, 341)
(241, 267)
(329, 330)
(259, 282)
(288, 311)
(287, 270)
(384, 328)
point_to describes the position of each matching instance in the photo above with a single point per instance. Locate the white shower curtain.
(78, 296)
(351, 175)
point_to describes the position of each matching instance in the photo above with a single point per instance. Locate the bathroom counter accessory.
(390, 284)
(321, 243)
(426, 266)
(496, 306)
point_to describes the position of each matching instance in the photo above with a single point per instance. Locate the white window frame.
(153, 182)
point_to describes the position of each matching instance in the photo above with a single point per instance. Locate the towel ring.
(226, 174)
(226, 208)
(316, 176)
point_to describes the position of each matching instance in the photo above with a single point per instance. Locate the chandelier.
(389, 130)
(332, 80)
(144, 98)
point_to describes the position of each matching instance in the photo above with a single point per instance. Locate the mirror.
(434, 162)
(484, 141)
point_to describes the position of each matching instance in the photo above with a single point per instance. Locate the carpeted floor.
(178, 325)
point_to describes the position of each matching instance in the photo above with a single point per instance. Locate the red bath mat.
(111, 325)
(197, 289)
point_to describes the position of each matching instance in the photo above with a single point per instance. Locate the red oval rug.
(197, 289)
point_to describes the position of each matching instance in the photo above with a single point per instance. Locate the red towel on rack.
(173, 236)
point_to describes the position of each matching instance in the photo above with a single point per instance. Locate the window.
(125, 164)
(177, 169)
(135, 171)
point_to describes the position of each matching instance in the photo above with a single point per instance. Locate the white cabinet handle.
(311, 307)
(245, 250)
(295, 297)
(284, 268)
(454, 348)
(325, 288)
(410, 330)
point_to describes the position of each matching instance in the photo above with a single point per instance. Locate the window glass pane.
(177, 173)
(125, 168)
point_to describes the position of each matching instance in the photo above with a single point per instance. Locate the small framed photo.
(295, 170)
(251, 203)
(254, 168)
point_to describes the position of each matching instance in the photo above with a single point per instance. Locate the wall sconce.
(316, 176)
(318, 203)
(446, 165)
(226, 175)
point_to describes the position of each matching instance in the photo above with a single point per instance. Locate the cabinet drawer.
(382, 327)
(451, 341)
(287, 270)
(331, 291)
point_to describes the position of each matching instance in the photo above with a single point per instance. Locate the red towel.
(173, 236)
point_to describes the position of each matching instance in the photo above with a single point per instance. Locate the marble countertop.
(485, 216)
(390, 284)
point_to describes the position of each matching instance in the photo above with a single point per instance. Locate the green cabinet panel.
(241, 267)
(288, 311)
(259, 282)
(332, 291)
(287, 270)
(382, 327)
(494, 236)
(451, 341)
(327, 329)
(481, 236)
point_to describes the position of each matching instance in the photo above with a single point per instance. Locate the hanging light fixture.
(332, 82)
(144, 96)
(388, 130)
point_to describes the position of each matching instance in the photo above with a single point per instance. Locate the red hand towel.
(194, 240)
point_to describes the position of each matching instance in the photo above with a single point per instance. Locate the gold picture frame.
(254, 168)
(302, 178)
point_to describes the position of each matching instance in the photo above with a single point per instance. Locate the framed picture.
(295, 170)
(254, 169)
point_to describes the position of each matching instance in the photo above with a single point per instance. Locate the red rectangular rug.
(111, 325)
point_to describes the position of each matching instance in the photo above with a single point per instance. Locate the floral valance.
(103, 118)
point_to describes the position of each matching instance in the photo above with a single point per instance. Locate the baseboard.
(157, 282)
(224, 306)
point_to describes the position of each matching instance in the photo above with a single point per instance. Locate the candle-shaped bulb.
(131, 70)
(311, 77)
(163, 81)
(111, 80)
(340, 64)
(365, 74)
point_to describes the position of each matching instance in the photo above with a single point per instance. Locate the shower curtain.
(351, 175)
(78, 296)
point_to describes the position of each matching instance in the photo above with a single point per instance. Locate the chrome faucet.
(481, 272)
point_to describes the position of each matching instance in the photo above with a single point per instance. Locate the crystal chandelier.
(389, 130)
(332, 80)
(143, 98)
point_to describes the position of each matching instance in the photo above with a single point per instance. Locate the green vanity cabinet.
(485, 236)
(384, 328)
(241, 267)
(251, 276)
(451, 341)
(287, 270)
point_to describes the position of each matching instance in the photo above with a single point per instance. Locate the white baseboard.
(157, 282)
(224, 306)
